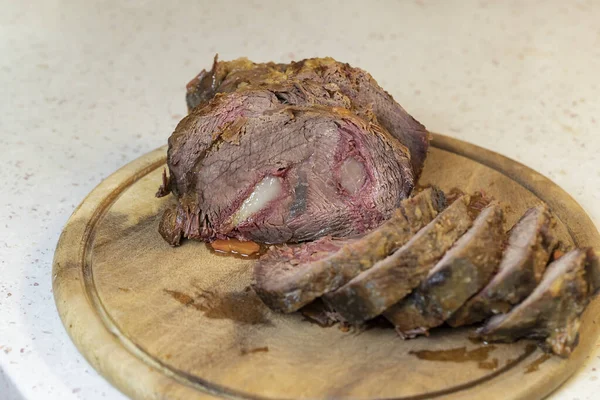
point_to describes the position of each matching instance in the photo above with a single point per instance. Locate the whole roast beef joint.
(316, 163)
(279, 153)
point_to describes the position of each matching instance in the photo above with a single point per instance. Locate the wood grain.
(181, 323)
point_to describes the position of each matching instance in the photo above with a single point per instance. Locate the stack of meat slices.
(434, 263)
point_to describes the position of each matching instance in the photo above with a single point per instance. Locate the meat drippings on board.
(455, 355)
(237, 247)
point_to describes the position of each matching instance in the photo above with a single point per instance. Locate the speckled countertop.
(87, 86)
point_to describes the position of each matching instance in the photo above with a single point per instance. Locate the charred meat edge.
(552, 312)
(393, 278)
(530, 244)
(461, 273)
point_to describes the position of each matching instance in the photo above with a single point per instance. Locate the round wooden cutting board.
(182, 323)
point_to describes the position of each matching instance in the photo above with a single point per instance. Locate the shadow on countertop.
(8, 389)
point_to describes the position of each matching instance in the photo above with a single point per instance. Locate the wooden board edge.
(137, 379)
(571, 213)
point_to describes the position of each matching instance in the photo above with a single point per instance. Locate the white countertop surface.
(87, 86)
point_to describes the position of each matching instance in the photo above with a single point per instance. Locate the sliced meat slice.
(552, 312)
(461, 273)
(391, 279)
(530, 244)
(286, 282)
